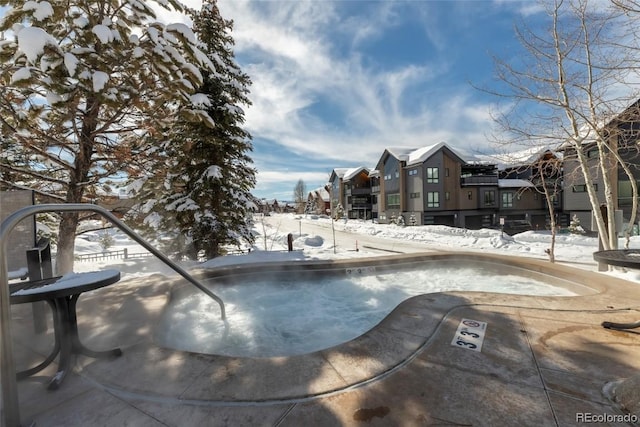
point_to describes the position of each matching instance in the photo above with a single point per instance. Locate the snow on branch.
(41, 10)
(32, 41)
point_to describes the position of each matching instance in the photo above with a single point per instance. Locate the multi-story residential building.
(522, 177)
(269, 205)
(338, 200)
(319, 201)
(390, 194)
(437, 184)
(622, 134)
(374, 178)
(351, 193)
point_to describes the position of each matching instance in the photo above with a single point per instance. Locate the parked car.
(515, 226)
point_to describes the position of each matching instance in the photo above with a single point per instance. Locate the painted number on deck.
(470, 334)
(360, 270)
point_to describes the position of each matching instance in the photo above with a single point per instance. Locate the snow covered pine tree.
(81, 85)
(204, 175)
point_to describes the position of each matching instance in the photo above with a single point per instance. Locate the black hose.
(612, 325)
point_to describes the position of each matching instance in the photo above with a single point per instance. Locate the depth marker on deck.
(470, 334)
(360, 270)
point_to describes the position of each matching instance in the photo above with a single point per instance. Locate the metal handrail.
(10, 405)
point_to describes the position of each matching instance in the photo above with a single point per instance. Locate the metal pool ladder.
(7, 369)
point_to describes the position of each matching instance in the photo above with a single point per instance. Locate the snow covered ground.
(313, 238)
(286, 328)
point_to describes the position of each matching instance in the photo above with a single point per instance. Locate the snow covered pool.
(291, 315)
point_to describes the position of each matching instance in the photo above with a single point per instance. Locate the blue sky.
(336, 82)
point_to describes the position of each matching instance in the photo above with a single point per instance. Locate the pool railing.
(10, 404)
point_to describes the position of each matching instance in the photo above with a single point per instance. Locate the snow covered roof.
(400, 153)
(348, 173)
(523, 157)
(351, 173)
(320, 193)
(514, 183)
(340, 172)
(421, 154)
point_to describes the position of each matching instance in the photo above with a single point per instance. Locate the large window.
(360, 200)
(433, 199)
(582, 188)
(393, 200)
(625, 193)
(489, 198)
(432, 175)
(507, 200)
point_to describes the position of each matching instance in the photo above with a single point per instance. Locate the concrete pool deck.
(544, 361)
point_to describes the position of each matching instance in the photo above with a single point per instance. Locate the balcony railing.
(625, 201)
(479, 180)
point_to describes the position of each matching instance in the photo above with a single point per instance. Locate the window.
(433, 199)
(446, 172)
(489, 198)
(413, 172)
(592, 154)
(393, 200)
(447, 195)
(432, 175)
(414, 195)
(360, 200)
(507, 200)
(397, 174)
(469, 195)
(625, 193)
(582, 188)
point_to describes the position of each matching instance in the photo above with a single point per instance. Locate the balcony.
(479, 180)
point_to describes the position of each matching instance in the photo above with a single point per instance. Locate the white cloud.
(270, 176)
(524, 8)
(306, 61)
(295, 65)
(280, 184)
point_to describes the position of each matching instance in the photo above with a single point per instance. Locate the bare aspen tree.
(299, 195)
(543, 169)
(566, 92)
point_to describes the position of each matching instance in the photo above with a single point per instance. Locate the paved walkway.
(543, 362)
